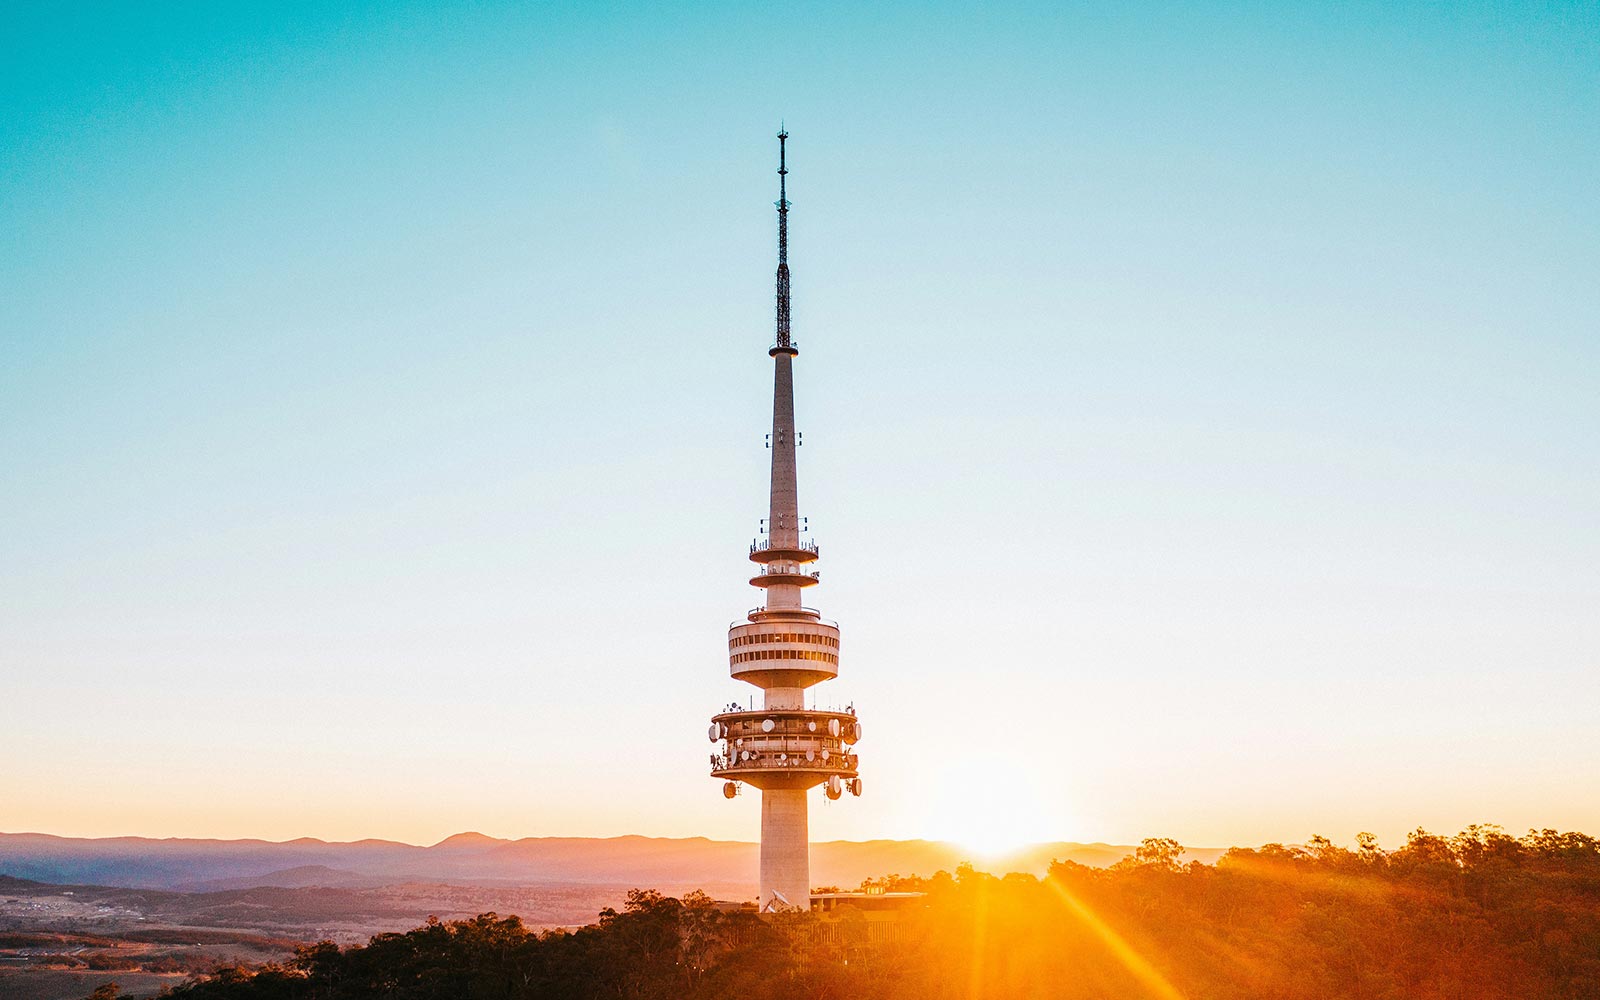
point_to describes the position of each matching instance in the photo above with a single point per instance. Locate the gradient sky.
(1200, 409)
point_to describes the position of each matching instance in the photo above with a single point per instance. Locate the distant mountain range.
(474, 859)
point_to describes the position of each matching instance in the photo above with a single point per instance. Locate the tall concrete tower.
(783, 648)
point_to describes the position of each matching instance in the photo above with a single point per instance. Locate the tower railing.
(781, 571)
(767, 546)
(808, 612)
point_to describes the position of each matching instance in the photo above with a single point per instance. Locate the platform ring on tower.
(789, 577)
(800, 554)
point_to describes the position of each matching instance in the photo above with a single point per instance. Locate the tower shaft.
(785, 848)
(783, 519)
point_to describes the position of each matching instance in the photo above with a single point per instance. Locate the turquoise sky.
(1200, 410)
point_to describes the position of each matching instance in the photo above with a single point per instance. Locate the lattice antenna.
(783, 343)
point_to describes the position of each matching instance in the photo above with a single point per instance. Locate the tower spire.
(782, 344)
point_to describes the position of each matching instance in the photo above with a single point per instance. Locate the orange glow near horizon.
(985, 804)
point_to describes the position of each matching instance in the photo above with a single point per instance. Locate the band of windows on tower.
(770, 637)
(785, 654)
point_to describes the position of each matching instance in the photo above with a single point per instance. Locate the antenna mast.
(783, 345)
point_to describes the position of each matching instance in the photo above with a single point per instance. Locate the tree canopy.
(1480, 915)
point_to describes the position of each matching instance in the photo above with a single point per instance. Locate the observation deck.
(783, 652)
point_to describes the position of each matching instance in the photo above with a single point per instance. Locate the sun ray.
(980, 932)
(1125, 953)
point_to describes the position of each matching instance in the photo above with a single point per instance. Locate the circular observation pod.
(715, 733)
(767, 725)
(812, 725)
(834, 788)
(855, 787)
(833, 727)
(825, 755)
(729, 789)
(811, 755)
(783, 756)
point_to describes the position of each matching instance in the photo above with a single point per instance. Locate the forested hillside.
(1481, 915)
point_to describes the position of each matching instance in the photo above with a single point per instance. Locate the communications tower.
(783, 648)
